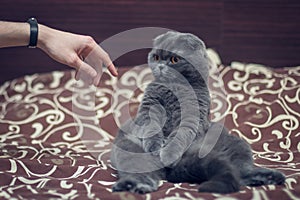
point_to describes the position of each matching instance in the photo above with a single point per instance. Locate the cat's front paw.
(153, 146)
(133, 185)
(170, 156)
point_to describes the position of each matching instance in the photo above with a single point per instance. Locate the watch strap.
(34, 30)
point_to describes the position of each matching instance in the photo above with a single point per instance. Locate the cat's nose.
(160, 67)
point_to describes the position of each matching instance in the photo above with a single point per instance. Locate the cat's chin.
(160, 77)
(166, 77)
(166, 80)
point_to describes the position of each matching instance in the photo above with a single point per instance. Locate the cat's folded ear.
(188, 40)
(163, 37)
(194, 42)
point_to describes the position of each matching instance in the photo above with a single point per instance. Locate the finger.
(94, 61)
(97, 79)
(81, 75)
(85, 72)
(107, 61)
(80, 65)
(99, 75)
(112, 69)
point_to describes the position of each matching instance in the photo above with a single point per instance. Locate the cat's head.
(178, 55)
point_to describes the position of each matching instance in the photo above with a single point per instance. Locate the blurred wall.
(260, 31)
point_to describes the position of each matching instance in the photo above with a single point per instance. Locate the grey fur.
(172, 138)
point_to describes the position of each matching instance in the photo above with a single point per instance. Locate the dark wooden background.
(260, 31)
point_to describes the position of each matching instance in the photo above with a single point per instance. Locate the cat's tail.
(261, 176)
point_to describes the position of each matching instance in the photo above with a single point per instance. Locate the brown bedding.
(55, 139)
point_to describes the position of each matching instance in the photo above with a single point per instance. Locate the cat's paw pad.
(132, 186)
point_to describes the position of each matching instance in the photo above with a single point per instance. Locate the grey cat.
(172, 138)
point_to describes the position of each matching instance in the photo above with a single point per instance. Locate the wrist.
(44, 34)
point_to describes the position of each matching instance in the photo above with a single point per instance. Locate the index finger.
(112, 69)
(107, 61)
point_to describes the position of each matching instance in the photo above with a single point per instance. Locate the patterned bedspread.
(56, 133)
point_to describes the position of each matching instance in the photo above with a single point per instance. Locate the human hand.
(77, 51)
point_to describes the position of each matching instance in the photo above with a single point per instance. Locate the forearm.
(18, 34)
(67, 48)
(14, 34)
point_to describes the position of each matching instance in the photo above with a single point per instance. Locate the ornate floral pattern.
(56, 134)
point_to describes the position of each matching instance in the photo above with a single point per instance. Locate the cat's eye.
(174, 59)
(155, 57)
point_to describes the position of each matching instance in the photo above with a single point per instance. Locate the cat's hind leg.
(214, 175)
(262, 176)
(221, 178)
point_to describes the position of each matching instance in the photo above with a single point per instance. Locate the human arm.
(67, 48)
(14, 34)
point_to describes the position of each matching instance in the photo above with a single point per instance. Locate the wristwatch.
(34, 31)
